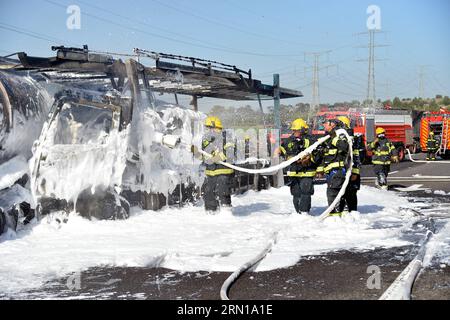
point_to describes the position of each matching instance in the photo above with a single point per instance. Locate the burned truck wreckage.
(82, 128)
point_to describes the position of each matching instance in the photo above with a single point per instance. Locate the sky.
(263, 35)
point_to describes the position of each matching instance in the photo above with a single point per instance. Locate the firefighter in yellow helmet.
(350, 197)
(383, 153)
(345, 121)
(217, 185)
(302, 172)
(432, 147)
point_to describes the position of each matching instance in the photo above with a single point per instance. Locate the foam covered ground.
(187, 239)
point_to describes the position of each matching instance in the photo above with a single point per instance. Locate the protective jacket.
(382, 151)
(291, 147)
(335, 152)
(215, 143)
(432, 144)
(356, 146)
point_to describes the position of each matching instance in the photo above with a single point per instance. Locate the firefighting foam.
(222, 242)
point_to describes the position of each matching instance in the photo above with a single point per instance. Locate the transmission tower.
(315, 97)
(371, 88)
(422, 80)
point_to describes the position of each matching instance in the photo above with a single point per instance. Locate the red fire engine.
(439, 124)
(399, 126)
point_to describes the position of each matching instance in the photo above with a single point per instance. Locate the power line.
(33, 35)
(441, 86)
(352, 72)
(36, 35)
(216, 22)
(227, 49)
(8, 53)
(132, 28)
(304, 86)
(352, 95)
(291, 67)
(347, 81)
(170, 38)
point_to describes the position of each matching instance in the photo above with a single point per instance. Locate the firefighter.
(217, 186)
(384, 152)
(302, 172)
(350, 198)
(333, 165)
(432, 147)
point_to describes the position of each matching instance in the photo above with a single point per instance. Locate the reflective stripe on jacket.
(335, 153)
(291, 147)
(382, 151)
(214, 143)
(432, 144)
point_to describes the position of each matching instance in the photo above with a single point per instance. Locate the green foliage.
(245, 117)
(420, 104)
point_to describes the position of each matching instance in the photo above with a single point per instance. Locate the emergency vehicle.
(438, 123)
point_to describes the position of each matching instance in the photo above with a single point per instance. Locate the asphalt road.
(414, 173)
(337, 275)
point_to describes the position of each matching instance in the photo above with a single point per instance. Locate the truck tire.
(446, 156)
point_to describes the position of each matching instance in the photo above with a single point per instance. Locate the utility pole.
(315, 97)
(371, 87)
(276, 101)
(371, 94)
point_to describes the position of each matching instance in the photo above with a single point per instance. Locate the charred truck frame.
(112, 95)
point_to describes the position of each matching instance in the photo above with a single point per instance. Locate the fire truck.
(439, 124)
(400, 126)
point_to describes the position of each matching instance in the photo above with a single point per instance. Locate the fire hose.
(423, 161)
(301, 155)
(401, 288)
(235, 275)
(276, 168)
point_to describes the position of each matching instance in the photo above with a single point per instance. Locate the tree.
(396, 103)
(446, 101)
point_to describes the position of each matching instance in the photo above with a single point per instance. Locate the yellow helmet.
(344, 120)
(213, 122)
(380, 131)
(299, 124)
(431, 133)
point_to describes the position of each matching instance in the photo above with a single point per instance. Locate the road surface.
(336, 275)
